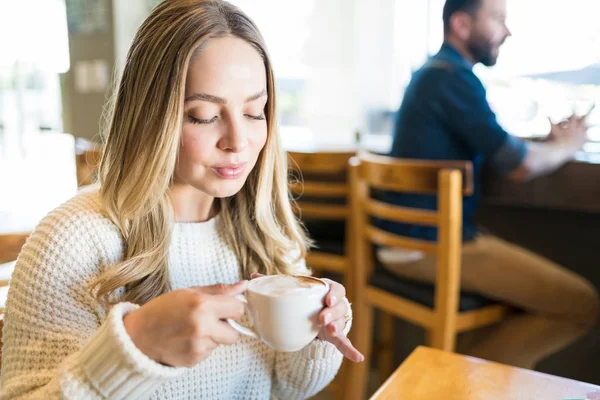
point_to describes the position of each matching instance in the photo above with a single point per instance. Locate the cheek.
(259, 139)
(497, 34)
(194, 148)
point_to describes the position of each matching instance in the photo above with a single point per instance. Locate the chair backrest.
(10, 246)
(449, 180)
(319, 181)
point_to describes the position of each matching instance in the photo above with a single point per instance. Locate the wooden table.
(429, 374)
(573, 187)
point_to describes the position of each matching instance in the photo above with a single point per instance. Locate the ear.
(461, 24)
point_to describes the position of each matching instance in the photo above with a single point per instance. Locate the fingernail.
(332, 300)
(327, 319)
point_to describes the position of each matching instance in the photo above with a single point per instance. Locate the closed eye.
(194, 120)
(256, 117)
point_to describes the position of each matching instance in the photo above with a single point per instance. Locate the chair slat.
(320, 189)
(321, 210)
(412, 176)
(330, 163)
(400, 307)
(383, 238)
(330, 262)
(390, 212)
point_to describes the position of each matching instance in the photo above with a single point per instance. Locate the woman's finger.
(336, 293)
(223, 333)
(330, 314)
(336, 328)
(346, 347)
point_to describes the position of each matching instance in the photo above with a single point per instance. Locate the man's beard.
(482, 51)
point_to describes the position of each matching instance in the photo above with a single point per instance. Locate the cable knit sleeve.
(303, 374)
(58, 341)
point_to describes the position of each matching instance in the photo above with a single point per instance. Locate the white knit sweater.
(60, 343)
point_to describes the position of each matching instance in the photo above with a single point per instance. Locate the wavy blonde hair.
(142, 137)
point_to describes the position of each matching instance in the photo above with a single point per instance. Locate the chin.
(490, 61)
(226, 189)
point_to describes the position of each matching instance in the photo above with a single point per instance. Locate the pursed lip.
(231, 170)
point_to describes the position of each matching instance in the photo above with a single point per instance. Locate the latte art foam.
(284, 285)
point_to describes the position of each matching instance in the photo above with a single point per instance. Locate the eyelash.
(213, 119)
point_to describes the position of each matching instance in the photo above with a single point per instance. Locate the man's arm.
(545, 158)
(468, 114)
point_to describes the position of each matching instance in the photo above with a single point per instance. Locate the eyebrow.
(219, 100)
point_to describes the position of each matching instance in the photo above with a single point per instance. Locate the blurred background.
(341, 65)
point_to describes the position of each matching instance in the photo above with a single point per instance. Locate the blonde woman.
(122, 293)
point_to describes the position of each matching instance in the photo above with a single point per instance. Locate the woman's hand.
(332, 318)
(181, 328)
(333, 321)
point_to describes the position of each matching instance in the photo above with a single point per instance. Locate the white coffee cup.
(283, 310)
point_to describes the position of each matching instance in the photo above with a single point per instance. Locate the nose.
(507, 32)
(234, 139)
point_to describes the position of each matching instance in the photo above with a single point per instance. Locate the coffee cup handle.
(239, 327)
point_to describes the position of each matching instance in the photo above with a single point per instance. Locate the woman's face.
(224, 127)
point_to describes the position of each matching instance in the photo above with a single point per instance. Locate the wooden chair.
(319, 181)
(87, 159)
(447, 311)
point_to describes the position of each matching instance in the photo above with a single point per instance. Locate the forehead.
(226, 65)
(493, 6)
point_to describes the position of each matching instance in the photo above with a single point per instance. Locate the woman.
(123, 293)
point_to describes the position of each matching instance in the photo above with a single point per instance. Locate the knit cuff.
(320, 349)
(116, 367)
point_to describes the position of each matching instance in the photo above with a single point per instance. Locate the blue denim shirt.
(445, 115)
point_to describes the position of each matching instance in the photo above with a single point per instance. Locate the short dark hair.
(453, 6)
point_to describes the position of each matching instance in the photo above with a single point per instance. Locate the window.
(535, 74)
(311, 44)
(30, 61)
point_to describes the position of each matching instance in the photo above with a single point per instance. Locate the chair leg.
(385, 354)
(356, 379)
(442, 338)
(428, 338)
(340, 380)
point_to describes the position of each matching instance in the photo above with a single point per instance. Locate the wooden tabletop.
(429, 374)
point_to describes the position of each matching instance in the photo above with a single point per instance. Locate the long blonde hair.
(141, 144)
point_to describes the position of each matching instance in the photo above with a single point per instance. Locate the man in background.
(445, 116)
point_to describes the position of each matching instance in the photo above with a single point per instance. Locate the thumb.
(223, 288)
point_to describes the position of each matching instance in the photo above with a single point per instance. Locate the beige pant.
(560, 306)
